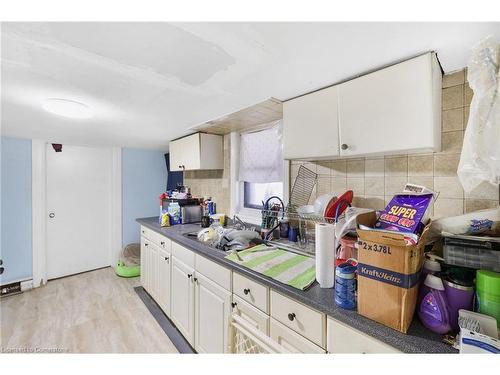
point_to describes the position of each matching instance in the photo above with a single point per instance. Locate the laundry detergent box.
(388, 273)
(405, 213)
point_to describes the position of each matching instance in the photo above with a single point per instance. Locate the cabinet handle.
(167, 258)
(344, 146)
(146, 244)
(246, 291)
(195, 279)
(233, 305)
(291, 316)
(162, 243)
(190, 275)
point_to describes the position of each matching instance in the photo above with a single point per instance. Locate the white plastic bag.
(480, 159)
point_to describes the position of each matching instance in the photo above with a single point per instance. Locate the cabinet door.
(211, 151)
(182, 299)
(344, 339)
(164, 273)
(392, 110)
(154, 264)
(212, 311)
(144, 263)
(310, 125)
(291, 340)
(185, 153)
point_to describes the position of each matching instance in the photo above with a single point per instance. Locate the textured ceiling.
(148, 83)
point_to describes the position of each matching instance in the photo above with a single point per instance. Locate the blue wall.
(144, 178)
(16, 209)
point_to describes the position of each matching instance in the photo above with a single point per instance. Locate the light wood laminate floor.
(93, 312)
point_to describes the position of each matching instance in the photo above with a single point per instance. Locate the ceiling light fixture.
(67, 108)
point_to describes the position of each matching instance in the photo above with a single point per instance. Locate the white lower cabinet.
(212, 311)
(144, 263)
(302, 319)
(182, 308)
(153, 257)
(149, 267)
(164, 280)
(344, 339)
(291, 340)
(196, 294)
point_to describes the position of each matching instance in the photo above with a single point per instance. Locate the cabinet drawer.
(164, 243)
(344, 339)
(251, 291)
(292, 341)
(183, 254)
(302, 319)
(213, 271)
(153, 236)
(148, 233)
(251, 314)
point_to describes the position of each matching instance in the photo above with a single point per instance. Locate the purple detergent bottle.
(433, 311)
(432, 266)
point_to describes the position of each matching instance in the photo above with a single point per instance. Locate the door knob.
(246, 291)
(344, 146)
(291, 316)
(233, 305)
(189, 275)
(52, 215)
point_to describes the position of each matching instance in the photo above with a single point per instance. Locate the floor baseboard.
(165, 323)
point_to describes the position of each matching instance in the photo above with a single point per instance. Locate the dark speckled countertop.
(417, 340)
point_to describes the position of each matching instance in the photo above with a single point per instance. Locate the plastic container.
(174, 211)
(488, 293)
(472, 252)
(459, 295)
(433, 311)
(345, 286)
(431, 267)
(347, 249)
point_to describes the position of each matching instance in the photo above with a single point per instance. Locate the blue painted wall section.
(16, 215)
(144, 178)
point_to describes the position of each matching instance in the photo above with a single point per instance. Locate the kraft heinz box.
(388, 274)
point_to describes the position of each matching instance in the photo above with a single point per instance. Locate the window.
(258, 172)
(256, 193)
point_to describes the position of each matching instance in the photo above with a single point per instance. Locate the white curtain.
(261, 155)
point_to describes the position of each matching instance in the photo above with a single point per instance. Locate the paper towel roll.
(325, 254)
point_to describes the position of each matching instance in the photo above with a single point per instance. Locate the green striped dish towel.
(281, 265)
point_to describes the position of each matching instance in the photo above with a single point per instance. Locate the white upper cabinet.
(396, 109)
(197, 151)
(393, 110)
(310, 127)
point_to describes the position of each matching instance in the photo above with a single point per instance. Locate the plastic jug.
(488, 293)
(433, 311)
(431, 267)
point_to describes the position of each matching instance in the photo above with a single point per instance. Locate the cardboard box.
(388, 274)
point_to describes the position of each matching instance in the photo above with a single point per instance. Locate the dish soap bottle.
(433, 311)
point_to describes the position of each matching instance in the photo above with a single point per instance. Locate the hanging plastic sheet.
(480, 159)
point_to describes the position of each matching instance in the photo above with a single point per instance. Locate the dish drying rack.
(274, 213)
